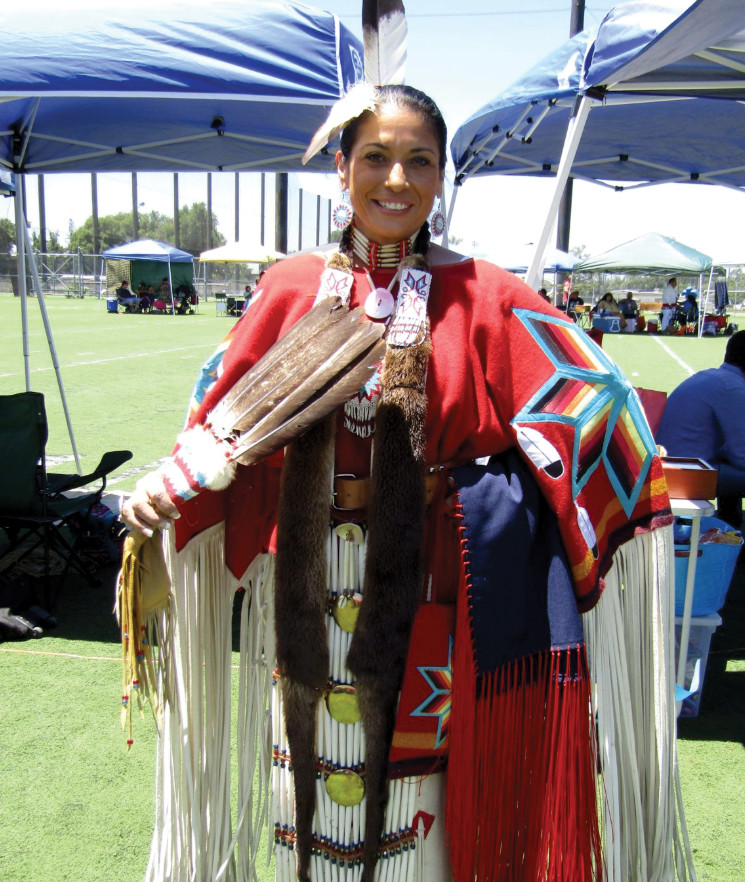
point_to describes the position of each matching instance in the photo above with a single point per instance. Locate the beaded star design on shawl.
(612, 443)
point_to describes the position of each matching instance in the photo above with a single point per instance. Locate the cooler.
(112, 305)
(608, 324)
(714, 567)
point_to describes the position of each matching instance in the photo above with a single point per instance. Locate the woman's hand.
(150, 506)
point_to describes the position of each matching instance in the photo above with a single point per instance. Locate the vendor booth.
(149, 262)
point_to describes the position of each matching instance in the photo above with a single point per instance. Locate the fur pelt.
(300, 603)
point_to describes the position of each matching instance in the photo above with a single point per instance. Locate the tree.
(53, 245)
(7, 235)
(116, 229)
(195, 224)
(113, 229)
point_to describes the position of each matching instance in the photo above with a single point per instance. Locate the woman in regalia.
(455, 626)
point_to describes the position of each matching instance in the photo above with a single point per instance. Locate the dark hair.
(414, 100)
(735, 351)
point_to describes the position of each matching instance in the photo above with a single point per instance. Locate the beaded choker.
(374, 255)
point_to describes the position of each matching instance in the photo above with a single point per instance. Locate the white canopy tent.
(603, 105)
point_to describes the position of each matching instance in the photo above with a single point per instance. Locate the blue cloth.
(705, 417)
(521, 589)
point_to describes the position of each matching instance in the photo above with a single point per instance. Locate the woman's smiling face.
(392, 173)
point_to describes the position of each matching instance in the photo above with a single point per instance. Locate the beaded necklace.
(374, 255)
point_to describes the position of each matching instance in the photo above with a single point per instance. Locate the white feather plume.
(540, 451)
(359, 98)
(384, 32)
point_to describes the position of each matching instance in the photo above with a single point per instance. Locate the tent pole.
(702, 312)
(21, 270)
(571, 143)
(50, 341)
(444, 210)
(448, 217)
(170, 287)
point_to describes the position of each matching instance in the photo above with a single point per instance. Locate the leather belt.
(354, 493)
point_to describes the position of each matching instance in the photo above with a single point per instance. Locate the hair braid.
(345, 243)
(421, 243)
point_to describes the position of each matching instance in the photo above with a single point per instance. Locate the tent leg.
(702, 311)
(444, 210)
(170, 288)
(571, 143)
(21, 270)
(50, 341)
(449, 216)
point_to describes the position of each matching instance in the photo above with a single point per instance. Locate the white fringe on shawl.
(194, 838)
(630, 648)
(630, 643)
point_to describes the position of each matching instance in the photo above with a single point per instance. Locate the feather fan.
(384, 37)
(324, 359)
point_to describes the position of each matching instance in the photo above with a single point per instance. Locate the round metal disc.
(346, 611)
(342, 705)
(345, 787)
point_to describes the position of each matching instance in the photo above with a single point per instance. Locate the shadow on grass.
(86, 613)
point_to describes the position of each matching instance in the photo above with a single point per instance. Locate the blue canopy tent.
(148, 259)
(174, 86)
(171, 86)
(602, 106)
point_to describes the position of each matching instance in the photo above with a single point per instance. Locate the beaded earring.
(437, 222)
(342, 213)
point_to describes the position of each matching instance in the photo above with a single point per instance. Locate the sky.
(463, 55)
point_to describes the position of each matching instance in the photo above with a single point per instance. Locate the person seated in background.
(573, 301)
(164, 289)
(144, 300)
(705, 418)
(628, 306)
(183, 295)
(544, 293)
(126, 298)
(607, 306)
(630, 311)
(160, 303)
(689, 309)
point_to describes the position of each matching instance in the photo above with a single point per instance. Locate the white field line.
(690, 371)
(73, 655)
(149, 354)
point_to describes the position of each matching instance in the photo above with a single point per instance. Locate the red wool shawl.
(507, 371)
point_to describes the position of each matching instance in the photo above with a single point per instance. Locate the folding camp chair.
(35, 510)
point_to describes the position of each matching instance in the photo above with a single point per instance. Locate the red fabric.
(484, 367)
(521, 799)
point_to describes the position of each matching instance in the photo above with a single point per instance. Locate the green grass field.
(74, 804)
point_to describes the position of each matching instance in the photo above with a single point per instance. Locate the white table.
(695, 509)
